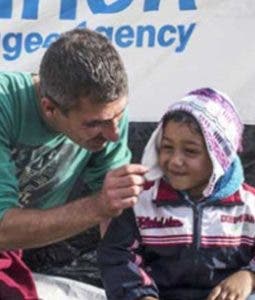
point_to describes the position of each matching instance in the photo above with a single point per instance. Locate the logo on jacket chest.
(242, 218)
(157, 222)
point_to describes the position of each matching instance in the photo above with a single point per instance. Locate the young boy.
(191, 236)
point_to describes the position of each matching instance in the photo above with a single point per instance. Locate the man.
(68, 123)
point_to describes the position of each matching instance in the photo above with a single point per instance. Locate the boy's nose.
(176, 160)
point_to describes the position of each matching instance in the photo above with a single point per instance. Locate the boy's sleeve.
(121, 263)
(250, 266)
(114, 155)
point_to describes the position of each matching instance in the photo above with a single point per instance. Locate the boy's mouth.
(177, 173)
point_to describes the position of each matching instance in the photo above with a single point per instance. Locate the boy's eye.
(192, 151)
(167, 147)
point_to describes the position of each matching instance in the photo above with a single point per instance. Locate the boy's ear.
(48, 107)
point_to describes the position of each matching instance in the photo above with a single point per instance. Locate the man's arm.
(27, 228)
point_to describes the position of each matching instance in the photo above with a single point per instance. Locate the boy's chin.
(177, 186)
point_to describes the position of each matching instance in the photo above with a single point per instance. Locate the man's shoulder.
(10, 82)
(14, 75)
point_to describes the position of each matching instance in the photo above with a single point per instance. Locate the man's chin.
(95, 147)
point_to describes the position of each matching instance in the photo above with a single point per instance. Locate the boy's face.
(184, 159)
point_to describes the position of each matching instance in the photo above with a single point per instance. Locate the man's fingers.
(116, 207)
(234, 297)
(223, 295)
(129, 169)
(126, 203)
(121, 188)
(128, 181)
(122, 193)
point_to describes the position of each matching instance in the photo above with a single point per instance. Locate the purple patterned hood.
(220, 124)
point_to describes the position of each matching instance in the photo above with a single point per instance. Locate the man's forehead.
(105, 111)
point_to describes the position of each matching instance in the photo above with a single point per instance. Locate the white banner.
(169, 46)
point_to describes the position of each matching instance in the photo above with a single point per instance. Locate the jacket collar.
(166, 195)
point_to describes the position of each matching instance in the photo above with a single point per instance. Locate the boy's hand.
(235, 287)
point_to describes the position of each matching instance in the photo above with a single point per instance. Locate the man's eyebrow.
(99, 122)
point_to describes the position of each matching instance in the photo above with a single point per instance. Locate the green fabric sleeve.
(9, 190)
(8, 183)
(114, 155)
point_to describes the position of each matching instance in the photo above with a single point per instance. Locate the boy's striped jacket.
(172, 248)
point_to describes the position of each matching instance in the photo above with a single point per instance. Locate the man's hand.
(120, 189)
(235, 287)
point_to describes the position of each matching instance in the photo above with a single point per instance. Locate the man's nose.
(111, 131)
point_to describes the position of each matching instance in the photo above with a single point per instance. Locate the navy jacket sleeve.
(123, 272)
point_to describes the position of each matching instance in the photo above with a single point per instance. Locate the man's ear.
(48, 107)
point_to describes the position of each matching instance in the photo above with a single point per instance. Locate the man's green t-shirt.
(39, 167)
